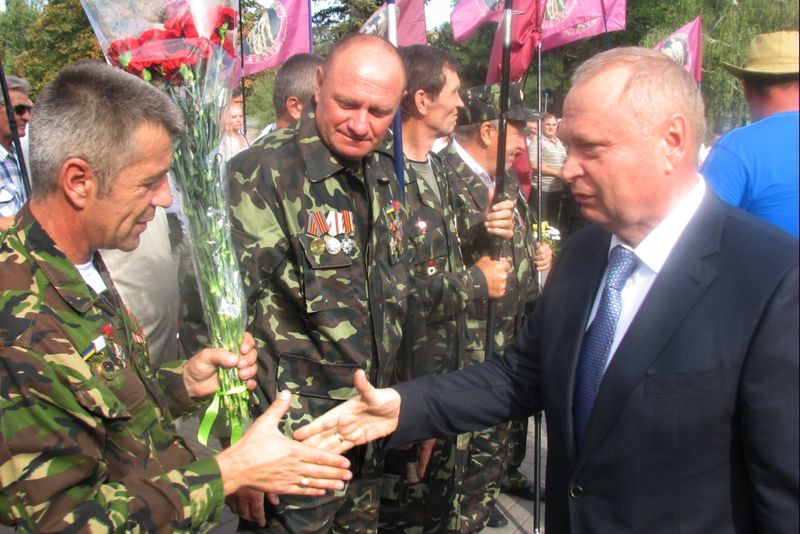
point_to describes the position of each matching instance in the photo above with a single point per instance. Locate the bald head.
(358, 91)
(654, 88)
(360, 48)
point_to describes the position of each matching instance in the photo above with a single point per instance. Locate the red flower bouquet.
(187, 49)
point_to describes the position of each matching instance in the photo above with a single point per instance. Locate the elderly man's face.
(119, 218)
(21, 102)
(515, 143)
(356, 100)
(550, 126)
(612, 167)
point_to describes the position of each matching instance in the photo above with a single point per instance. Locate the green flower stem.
(197, 167)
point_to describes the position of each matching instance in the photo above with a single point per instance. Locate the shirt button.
(576, 492)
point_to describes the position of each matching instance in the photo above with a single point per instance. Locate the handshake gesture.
(373, 414)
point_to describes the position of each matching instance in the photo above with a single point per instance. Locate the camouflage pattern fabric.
(88, 442)
(322, 245)
(485, 454)
(409, 504)
(482, 103)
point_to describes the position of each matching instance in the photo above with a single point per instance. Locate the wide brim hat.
(769, 54)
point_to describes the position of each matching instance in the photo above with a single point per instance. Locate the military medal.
(317, 226)
(422, 226)
(333, 246)
(431, 267)
(347, 245)
(395, 228)
(107, 369)
(317, 246)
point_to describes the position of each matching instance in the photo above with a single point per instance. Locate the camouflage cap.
(482, 103)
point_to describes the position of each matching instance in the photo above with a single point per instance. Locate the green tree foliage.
(14, 21)
(60, 35)
(39, 37)
(728, 28)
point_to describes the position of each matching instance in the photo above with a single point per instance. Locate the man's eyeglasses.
(22, 109)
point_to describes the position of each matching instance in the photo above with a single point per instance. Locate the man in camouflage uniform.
(321, 231)
(86, 434)
(472, 158)
(416, 499)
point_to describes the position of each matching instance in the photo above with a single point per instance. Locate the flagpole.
(605, 23)
(500, 169)
(397, 126)
(537, 417)
(310, 27)
(241, 79)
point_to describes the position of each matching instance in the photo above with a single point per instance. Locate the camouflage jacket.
(522, 288)
(447, 285)
(324, 260)
(87, 436)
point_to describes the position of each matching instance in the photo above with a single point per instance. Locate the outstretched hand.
(266, 460)
(373, 414)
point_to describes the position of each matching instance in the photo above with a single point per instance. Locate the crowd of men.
(663, 347)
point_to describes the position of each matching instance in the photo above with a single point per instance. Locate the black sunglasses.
(21, 109)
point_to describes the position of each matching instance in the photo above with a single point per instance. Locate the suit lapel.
(682, 281)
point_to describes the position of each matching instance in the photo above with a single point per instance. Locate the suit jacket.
(695, 426)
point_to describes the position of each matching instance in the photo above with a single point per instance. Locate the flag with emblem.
(280, 31)
(685, 46)
(468, 15)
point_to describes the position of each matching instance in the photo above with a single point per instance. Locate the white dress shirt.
(652, 253)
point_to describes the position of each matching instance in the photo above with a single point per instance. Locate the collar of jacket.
(62, 273)
(319, 161)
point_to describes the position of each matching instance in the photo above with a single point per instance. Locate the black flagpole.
(241, 59)
(12, 125)
(500, 169)
(537, 417)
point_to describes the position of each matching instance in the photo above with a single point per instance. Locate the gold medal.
(317, 246)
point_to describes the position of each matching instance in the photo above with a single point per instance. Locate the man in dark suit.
(670, 386)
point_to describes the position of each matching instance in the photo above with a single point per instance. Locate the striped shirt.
(12, 190)
(554, 154)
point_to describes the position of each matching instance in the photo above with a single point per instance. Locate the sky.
(437, 13)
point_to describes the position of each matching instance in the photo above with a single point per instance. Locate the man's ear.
(294, 106)
(675, 140)
(78, 182)
(486, 132)
(421, 101)
(320, 79)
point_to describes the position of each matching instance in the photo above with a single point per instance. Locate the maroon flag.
(685, 46)
(573, 28)
(468, 15)
(524, 38)
(411, 23)
(279, 33)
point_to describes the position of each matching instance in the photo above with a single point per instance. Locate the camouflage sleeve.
(260, 241)
(170, 376)
(447, 293)
(54, 455)
(475, 242)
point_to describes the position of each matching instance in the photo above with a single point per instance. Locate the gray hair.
(297, 77)
(656, 88)
(91, 111)
(15, 83)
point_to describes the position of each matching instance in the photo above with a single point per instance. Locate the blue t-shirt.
(756, 168)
